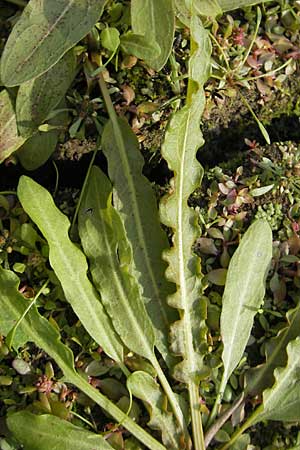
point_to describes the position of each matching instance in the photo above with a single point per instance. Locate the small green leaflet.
(43, 34)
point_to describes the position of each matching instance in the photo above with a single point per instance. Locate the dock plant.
(136, 286)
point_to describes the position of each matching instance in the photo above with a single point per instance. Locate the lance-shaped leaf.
(137, 206)
(104, 242)
(10, 140)
(262, 377)
(43, 34)
(144, 387)
(229, 5)
(42, 432)
(282, 401)
(35, 328)
(155, 20)
(244, 293)
(70, 266)
(38, 97)
(183, 138)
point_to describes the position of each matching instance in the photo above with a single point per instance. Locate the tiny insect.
(89, 211)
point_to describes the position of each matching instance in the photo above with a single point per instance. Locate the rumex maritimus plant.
(130, 305)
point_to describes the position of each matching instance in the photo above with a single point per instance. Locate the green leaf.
(110, 38)
(182, 140)
(261, 377)
(104, 241)
(39, 147)
(37, 329)
(144, 387)
(155, 20)
(261, 190)
(209, 8)
(37, 98)
(10, 141)
(137, 206)
(282, 401)
(229, 5)
(46, 432)
(244, 293)
(139, 46)
(43, 34)
(70, 266)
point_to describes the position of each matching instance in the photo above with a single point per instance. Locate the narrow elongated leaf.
(229, 5)
(261, 377)
(282, 401)
(37, 329)
(38, 97)
(44, 432)
(70, 266)
(183, 138)
(244, 292)
(155, 20)
(43, 34)
(104, 241)
(10, 140)
(144, 387)
(137, 205)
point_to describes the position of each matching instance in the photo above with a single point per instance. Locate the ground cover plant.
(138, 277)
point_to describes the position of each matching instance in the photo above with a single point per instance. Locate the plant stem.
(218, 400)
(259, 123)
(244, 427)
(252, 41)
(8, 193)
(211, 432)
(270, 73)
(198, 436)
(21, 3)
(172, 399)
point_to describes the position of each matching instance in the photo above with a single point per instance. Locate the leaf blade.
(10, 140)
(244, 292)
(104, 241)
(44, 33)
(159, 26)
(70, 265)
(38, 97)
(41, 432)
(137, 206)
